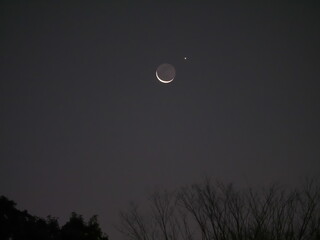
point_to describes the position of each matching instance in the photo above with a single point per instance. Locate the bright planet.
(165, 73)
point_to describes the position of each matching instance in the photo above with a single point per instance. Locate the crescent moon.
(163, 81)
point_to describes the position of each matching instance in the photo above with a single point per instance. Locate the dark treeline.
(211, 210)
(20, 225)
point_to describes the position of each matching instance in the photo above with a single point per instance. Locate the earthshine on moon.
(165, 73)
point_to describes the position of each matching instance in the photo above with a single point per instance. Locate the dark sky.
(87, 127)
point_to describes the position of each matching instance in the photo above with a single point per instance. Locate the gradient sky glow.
(87, 127)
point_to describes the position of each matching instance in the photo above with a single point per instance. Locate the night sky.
(87, 127)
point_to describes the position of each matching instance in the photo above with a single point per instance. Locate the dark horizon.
(207, 209)
(87, 127)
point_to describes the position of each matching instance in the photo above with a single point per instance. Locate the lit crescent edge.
(163, 81)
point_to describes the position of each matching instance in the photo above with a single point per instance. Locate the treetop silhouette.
(20, 225)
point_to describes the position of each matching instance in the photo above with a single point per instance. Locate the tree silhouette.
(77, 229)
(20, 225)
(212, 210)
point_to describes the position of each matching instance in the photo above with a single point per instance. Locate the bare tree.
(133, 225)
(211, 210)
